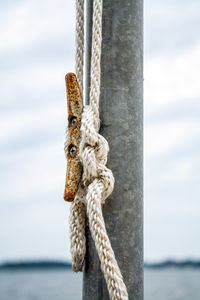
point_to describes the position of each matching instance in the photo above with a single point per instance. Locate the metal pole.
(121, 114)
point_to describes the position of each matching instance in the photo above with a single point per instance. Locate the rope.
(79, 42)
(97, 180)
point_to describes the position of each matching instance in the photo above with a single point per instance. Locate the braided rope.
(97, 180)
(79, 42)
(96, 60)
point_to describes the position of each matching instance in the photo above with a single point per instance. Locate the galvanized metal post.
(121, 114)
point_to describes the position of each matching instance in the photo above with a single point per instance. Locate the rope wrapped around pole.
(97, 180)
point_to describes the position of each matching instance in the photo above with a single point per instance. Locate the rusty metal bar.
(75, 108)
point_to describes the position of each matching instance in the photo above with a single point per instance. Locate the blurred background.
(36, 51)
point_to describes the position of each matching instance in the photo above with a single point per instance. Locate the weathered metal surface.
(75, 107)
(121, 117)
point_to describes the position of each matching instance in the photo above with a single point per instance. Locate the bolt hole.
(72, 150)
(73, 121)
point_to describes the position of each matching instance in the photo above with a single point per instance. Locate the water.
(172, 284)
(164, 284)
(40, 285)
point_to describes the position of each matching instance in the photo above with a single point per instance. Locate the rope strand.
(79, 43)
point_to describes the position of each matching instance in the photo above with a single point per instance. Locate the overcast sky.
(36, 51)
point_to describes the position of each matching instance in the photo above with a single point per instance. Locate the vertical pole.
(121, 114)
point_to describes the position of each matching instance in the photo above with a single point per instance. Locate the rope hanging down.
(97, 180)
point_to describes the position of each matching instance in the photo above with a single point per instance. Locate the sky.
(36, 51)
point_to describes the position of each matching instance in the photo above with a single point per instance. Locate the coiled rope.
(97, 180)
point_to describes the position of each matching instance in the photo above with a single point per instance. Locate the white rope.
(79, 42)
(97, 180)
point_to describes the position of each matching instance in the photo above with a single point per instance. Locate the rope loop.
(93, 154)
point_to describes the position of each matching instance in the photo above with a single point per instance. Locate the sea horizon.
(35, 263)
(54, 279)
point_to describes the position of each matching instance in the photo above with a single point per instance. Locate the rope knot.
(93, 154)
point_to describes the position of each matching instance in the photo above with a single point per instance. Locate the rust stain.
(75, 108)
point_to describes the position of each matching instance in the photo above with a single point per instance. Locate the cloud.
(25, 24)
(34, 173)
(36, 51)
(32, 155)
(171, 237)
(33, 124)
(171, 79)
(171, 106)
(163, 138)
(32, 230)
(33, 86)
(167, 31)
